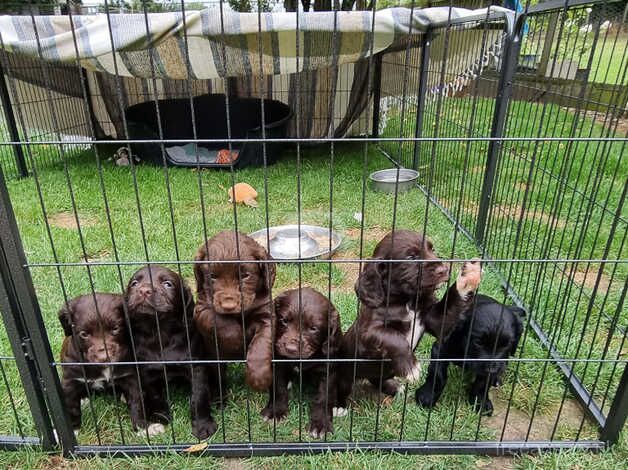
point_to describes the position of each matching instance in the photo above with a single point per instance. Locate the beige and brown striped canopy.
(313, 55)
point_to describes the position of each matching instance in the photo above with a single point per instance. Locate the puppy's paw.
(319, 429)
(204, 429)
(153, 429)
(403, 365)
(259, 375)
(415, 373)
(84, 402)
(469, 278)
(339, 411)
(424, 396)
(484, 407)
(277, 414)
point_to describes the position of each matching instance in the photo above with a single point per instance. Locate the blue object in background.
(516, 6)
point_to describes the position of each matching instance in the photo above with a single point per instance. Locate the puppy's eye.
(411, 257)
(245, 275)
(134, 282)
(115, 331)
(283, 321)
(84, 334)
(313, 329)
(212, 276)
(167, 284)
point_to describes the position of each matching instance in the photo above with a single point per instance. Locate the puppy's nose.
(229, 304)
(442, 269)
(292, 348)
(100, 354)
(145, 290)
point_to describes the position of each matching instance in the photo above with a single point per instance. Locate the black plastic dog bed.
(245, 115)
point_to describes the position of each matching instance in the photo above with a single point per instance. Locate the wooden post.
(547, 45)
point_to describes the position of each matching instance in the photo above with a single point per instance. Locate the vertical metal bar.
(19, 292)
(9, 117)
(504, 91)
(25, 365)
(377, 93)
(420, 110)
(618, 413)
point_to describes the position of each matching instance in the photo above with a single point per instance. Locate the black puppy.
(490, 330)
(160, 310)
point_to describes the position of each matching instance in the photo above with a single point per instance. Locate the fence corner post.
(426, 42)
(618, 412)
(22, 314)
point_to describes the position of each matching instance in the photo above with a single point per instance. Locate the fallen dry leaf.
(196, 447)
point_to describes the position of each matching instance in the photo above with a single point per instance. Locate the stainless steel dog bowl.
(386, 180)
(286, 240)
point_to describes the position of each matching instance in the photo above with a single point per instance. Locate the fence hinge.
(27, 347)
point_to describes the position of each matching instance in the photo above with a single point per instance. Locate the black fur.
(491, 331)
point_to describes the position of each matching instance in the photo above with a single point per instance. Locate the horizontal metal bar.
(17, 442)
(405, 447)
(325, 261)
(331, 360)
(318, 140)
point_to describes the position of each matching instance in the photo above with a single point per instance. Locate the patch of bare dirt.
(96, 256)
(496, 463)
(514, 211)
(607, 121)
(57, 462)
(233, 464)
(351, 272)
(588, 279)
(542, 426)
(67, 220)
(374, 233)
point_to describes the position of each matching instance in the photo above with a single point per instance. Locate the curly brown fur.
(234, 308)
(307, 327)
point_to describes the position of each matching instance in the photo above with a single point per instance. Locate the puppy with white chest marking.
(397, 305)
(96, 333)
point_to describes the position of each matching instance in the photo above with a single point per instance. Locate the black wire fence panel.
(516, 132)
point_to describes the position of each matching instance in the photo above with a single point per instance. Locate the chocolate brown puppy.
(397, 305)
(234, 307)
(96, 333)
(307, 327)
(161, 308)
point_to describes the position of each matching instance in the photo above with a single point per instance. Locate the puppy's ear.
(369, 288)
(518, 315)
(268, 270)
(65, 316)
(200, 269)
(331, 345)
(188, 298)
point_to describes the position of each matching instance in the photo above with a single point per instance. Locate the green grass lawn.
(453, 177)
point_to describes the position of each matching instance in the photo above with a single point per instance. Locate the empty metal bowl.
(290, 241)
(386, 180)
